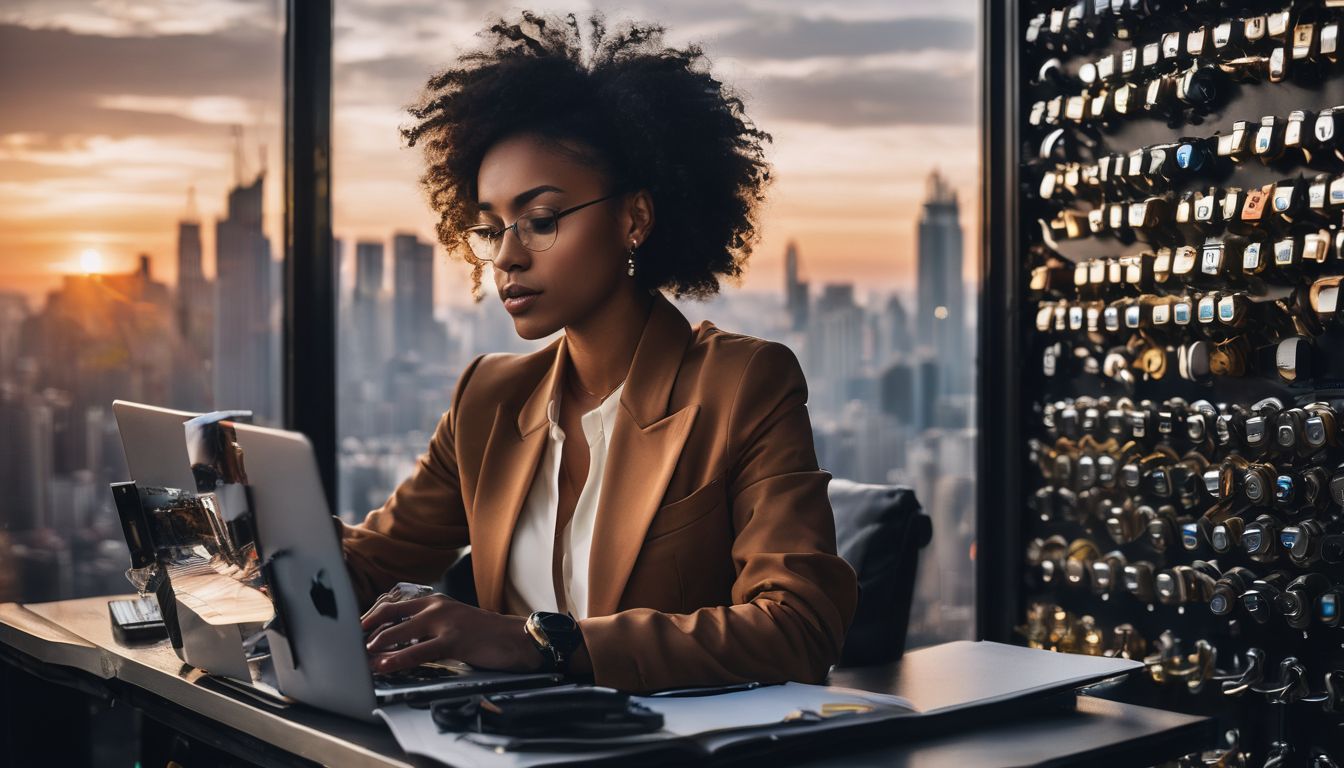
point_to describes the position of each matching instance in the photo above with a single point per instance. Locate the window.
(140, 219)
(865, 268)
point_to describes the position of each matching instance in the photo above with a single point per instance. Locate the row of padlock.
(1296, 600)
(1280, 754)
(1050, 627)
(1143, 357)
(1264, 269)
(1083, 25)
(1190, 480)
(1190, 69)
(1183, 95)
(1267, 427)
(1301, 534)
(1074, 27)
(1301, 35)
(1217, 315)
(1303, 137)
(1160, 473)
(1290, 210)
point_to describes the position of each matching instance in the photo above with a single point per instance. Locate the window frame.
(998, 592)
(308, 336)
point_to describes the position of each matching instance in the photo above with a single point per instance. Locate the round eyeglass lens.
(483, 244)
(537, 229)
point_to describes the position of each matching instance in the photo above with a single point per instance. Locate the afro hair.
(648, 116)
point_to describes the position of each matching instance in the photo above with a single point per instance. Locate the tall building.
(895, 325)
(246, 345)
(368, 270)
(897, 391)
(835, 347)
(13, 314)
(195, 304)
(370, 339)
(795, 290)
(194, 316)
(413, 295)
(26, 457)
(941, 309)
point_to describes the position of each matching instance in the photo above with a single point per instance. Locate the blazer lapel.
(645, 447)
(512, 455)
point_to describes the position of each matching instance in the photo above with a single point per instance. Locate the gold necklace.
(574, 380)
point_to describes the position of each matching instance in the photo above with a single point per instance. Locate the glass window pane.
(140, 233)
(866, 268)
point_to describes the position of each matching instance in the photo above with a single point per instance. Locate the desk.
(70, 644)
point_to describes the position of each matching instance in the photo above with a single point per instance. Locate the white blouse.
(532, 584)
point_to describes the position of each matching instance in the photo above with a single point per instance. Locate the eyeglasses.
(536, 229)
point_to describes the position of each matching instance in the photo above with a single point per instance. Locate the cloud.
(102, 152)
(65, 79)
(795, 37)
(138, 18)
(830, 71)
(356, 80)
(889, 97)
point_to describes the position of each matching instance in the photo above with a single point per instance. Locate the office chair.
(879, 530)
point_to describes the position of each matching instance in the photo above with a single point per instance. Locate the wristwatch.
(556, 636)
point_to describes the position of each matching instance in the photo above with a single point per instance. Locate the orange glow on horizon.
(91, 262)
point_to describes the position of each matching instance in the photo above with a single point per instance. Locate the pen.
(710, 690)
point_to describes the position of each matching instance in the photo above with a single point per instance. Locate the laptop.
(317, 646)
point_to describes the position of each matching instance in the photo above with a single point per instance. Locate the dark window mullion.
(309, 334)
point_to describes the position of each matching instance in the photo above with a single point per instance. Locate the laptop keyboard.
(421, 675)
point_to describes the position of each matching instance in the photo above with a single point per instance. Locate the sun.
(91, 262)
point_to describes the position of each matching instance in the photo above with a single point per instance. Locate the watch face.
(556, 623)
(557, 630)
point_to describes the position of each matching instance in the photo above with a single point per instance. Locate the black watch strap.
(556, 636)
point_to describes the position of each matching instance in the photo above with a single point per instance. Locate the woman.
(642, 498)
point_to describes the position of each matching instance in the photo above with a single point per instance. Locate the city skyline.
(885, 406)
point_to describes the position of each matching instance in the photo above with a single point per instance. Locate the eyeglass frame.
(558, 215)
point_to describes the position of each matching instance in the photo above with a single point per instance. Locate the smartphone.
(137, 620)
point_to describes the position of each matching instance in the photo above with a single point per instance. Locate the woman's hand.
(406, 634)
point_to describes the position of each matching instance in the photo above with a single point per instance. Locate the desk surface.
(78, 634)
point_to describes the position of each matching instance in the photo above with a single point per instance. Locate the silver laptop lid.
(155, 444)
(318, 654)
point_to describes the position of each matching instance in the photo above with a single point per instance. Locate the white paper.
(767, 705)
(685, 718)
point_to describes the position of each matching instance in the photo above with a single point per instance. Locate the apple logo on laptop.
(324, 600)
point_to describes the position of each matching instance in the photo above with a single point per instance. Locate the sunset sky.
(110, 110)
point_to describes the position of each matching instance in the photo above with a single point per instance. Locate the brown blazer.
(713, 553)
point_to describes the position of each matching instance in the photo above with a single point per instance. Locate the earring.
(630, 262)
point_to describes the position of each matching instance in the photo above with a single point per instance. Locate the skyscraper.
(895, 329)
(835, 347)
(194, 316)
(370, 342)
(195, 301)
(26, 458)
(368, 270)
(941, 309)
(13, 313)
(795, 290)
(413, 294)
(246, 349)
